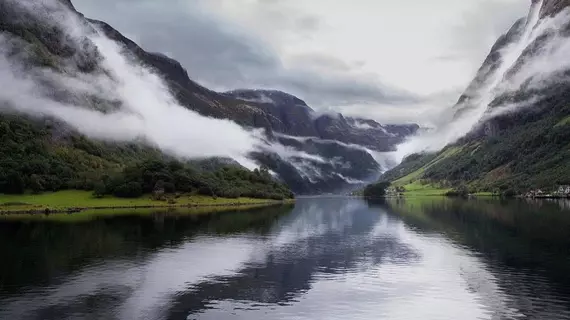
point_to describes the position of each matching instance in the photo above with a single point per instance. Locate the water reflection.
(324, 259)
(320, 242)
(118, 267)
(523, 243)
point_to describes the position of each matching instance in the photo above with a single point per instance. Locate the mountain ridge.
(552, 7)
(331, 159)
(232, 105)
(289, 115)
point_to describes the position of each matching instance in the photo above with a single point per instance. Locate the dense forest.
(38, 155)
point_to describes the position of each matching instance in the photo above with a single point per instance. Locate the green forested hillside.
(526, 150)
(41, 155)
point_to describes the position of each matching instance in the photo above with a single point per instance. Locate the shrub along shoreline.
(72, 201)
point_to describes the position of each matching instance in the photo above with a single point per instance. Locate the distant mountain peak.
(267, 96)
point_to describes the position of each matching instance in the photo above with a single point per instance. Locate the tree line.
(161, 177)
(35, 157)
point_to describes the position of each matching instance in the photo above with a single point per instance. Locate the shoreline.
(70, 202)
(72, 210)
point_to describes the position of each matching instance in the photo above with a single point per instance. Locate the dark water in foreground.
(323, 259)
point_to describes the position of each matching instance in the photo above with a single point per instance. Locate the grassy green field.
(486, 194)
(419, 189)
(411, 180)
(563, 122)
(416, 187)
(64, 200)
(90, 215)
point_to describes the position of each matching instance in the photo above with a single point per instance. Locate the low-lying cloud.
(133, 103)
(535, 60)
(147, 110)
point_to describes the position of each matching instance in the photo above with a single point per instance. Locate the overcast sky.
(394, 60)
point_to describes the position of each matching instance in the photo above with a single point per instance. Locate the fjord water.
(324, 258)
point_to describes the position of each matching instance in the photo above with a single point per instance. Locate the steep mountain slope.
(341, 141)
(296, 118)
(314, 165)
(41, 153)
(284, 114)
(520, 104)
(269, 109)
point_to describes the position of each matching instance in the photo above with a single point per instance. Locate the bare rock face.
(492, 62)
(552, 7)
(548, 8)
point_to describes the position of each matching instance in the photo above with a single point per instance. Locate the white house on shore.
(564, 190)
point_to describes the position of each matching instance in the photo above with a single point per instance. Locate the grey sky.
(386, 59)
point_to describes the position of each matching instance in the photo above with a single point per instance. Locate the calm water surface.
(321, 259)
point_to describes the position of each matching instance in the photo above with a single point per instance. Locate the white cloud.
(534, 59)
(148, 110)
(344, 55)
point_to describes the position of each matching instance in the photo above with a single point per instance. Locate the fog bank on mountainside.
(511, 127)
(90, 80)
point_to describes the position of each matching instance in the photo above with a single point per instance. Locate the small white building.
(565, 190)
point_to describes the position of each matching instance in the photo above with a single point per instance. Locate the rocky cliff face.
(496, 72)
(490, 65)
(336, 142)
(552, 7)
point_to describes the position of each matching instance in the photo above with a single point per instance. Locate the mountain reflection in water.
(326, 258)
